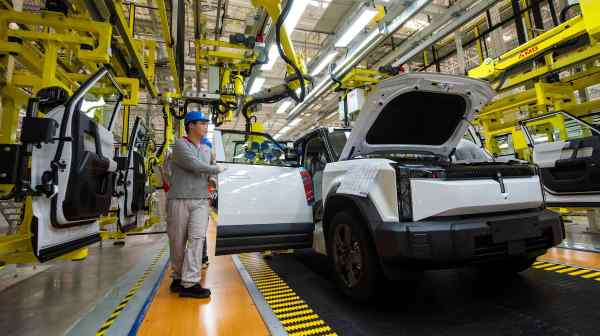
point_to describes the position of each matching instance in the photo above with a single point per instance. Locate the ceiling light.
(357, 26)
(284, 106)
(256, 85)
(295, 122)
(332, 114)
(291, 20)
(416, 24)
(324, 62)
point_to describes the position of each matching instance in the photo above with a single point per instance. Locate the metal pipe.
(180, 43)
(456, 16)
(393, 21)
(522, 38)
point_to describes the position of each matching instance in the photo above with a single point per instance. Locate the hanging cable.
(299, 76)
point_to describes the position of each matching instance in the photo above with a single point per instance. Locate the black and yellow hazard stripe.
(125, 301)
(568, 270)
(296, 316)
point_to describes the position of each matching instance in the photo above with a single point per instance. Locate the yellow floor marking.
(276, 290)
(538, 262)
(580, 272)
(268, 296)
(293, 313)
(300, 319)
(543, 266)
(305, 325)
(554, 267)
(567, 270)
(270, 277)
(591, 275)
(289, 309)
(296, 313)
(315, 331)
(285, 299)
(287, 304)
(266, 287)
(279, 296)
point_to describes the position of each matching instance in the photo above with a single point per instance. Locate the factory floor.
(125, 291)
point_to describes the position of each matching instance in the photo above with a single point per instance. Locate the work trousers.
(187, 221)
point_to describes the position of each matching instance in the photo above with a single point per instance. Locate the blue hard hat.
(195, 116)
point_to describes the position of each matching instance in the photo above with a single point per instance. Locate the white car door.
(567, 150)
(134, 177)
(79, 168)
(264, 200)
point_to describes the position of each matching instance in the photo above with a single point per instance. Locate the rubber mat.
(452, 302)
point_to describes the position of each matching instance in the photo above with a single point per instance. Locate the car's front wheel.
(354, 260)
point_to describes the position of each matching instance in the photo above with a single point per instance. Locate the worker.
(467, 150)
(187, 206)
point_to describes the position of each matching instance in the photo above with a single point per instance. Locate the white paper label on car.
(359, 181)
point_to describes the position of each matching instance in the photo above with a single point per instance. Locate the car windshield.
(338, 139)
(253, 148)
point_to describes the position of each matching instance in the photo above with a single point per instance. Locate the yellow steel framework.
(581, 33)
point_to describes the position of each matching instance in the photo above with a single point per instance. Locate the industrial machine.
(554, 69)
(60, 164)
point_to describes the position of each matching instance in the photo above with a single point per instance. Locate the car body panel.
(475, 93)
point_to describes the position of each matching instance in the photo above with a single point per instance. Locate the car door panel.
(576, 169)
(569, 168)
(132, 203)
(261, 207)
(80, 171)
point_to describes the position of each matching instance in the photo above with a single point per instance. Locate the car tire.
(354, 262)
(507, 267)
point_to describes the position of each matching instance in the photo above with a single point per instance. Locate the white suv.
(390, 197)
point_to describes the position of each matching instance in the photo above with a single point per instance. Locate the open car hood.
(417, 113)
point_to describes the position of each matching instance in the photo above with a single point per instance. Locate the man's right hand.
(221, 169)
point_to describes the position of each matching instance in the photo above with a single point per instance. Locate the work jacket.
(190, 170)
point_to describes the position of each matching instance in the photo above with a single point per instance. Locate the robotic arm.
(296, 71)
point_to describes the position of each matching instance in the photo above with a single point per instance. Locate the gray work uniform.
(187, 208)
(468, 151)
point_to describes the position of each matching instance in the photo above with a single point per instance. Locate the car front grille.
(486, 250)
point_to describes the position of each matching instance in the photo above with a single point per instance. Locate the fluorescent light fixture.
(295, 122)
(290, 23)
(257, 85)
(298, 7)
(416, 24)
(324, 62)
(273, 55)
(277, 136)
(359, 24)
(332, 114)
(284, 106)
